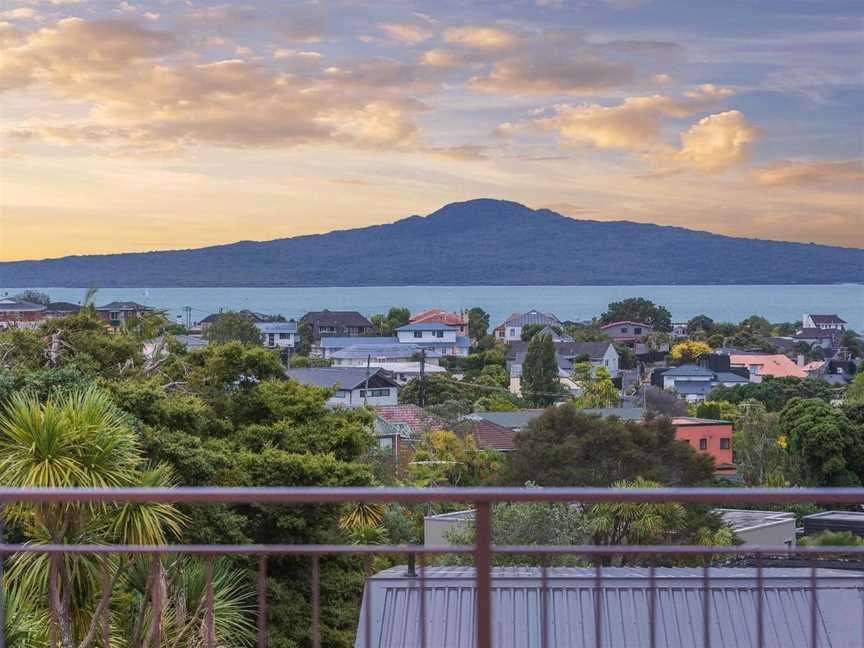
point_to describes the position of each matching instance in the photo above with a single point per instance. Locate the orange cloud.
(717, 142)
(482, 37)
(791, 173)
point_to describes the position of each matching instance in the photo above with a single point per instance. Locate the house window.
(439, 334)
(374, 393)
(114, 315)
(512, 332)
(638, 330)
(284, 336)
(725, 444)
(703, 444)
(418, 334)
(326, 329)
(624, 329)
(270, 340)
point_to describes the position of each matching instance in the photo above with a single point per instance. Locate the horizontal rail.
(188, 495)
(318, 550)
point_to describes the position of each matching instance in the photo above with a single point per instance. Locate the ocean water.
(723, 303)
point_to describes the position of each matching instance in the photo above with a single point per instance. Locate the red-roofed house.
(440, 316)
(491, 436)
(761, 365)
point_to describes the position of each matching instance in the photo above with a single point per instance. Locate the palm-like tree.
(81, 440)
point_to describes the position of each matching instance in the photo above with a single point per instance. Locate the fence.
(482, 551)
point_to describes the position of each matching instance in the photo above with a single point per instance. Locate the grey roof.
(693, 388)
(461, 342)
(518, 419)
(595, 350)
(62, 307)
(532, 317)
(277, 327)
(689, 371)
(814, 334)
(123, 306)
(827, 319)
(341, 341)
(427, 326)
(344, 377)
(381, 351)
(741, 519)
(336, 318)
(727, 377)
(392, 604)
(18, 306)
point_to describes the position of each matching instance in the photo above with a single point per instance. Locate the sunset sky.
(139, 125)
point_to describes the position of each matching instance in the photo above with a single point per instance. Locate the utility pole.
(187, 312)
(422, 378)
(366, 383)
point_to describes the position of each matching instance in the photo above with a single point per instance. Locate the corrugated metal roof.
(276, 327)
(426, 326)
(624, 607)
(343, 377)
(381, 351)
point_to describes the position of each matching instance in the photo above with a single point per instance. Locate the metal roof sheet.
(392, 601)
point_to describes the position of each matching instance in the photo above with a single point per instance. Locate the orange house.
(708, 435)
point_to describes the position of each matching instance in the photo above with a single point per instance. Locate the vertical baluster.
(2, 591)
(367, 568)
(544, 602)
(316, 601)
(598, 601)
(760, 603)
(106, 611)
(814, 614)
(158, 601)
(652, 602)
(210, 620)
(483, 570)
(706, 600)
(262, 601)
(422, 600)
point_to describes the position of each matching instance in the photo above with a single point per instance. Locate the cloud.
(136, 95)
(717, 142)
(482, 38)
(635, 124)
(21, 13)
(410, 32)
(794, 173)
(552, 76)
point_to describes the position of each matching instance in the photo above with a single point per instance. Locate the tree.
(718, 410)
(530, 330)
(828, 446)
(305, 339)
(478, 323)
(853, 343)
(639, 309)
(663, 402)
(597, 387)
(586, 333)
(33, 296)
(757, 325)
(689, 352)
(395, 317)
(540, 384)
(774, 393)
(233, 327)
(759, 452)
(567, 447)
(701, 323)
(855, 391)
(438, 390)
(444, 459)
(626, 356)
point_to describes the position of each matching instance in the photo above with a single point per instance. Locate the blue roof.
(727, 377)
(277, 327)
(427, 326)
(689, 370)
(461, 342)
(381, 351)
(340, 342)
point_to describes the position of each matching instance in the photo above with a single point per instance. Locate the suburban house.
(489, 435)
(693, 382)
(825, 322)
(825, 338)
(278, 335)
(327, 346)
(707, 435)
(211, 319)
(440, 316)
(770, 528)
(767, 364)
(399, 360)
(511, 329)
(337, 323)
(610, 606)
(627, 332)
(354, 386)
(61, 309)
(16, 313)
(116, 313)
(398, 427)
(567, 354)
(441, 338)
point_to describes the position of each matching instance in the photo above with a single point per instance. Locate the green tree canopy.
(759, 452)
(638, 309)
(700, 323)
(33, 296)
(395, 317)
(233, 327)
(478, 323)
(774, 393)
(828, 446)
(566, 447)
(540, 384)
(597, 387)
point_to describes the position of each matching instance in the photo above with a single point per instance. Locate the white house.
(831, 322)
(378, 354)
(327, 346)
(281, 335)
(511, 329)
(433, 336)
(354, 387)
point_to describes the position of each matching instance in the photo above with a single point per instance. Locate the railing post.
(2, 589)
(483, 569)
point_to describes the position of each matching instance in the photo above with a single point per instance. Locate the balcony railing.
(482, 551)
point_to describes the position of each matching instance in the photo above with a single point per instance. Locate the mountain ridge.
(482, 241)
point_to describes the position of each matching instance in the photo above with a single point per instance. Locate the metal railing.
(482, 551)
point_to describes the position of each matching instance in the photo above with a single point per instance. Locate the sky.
(161, 124)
